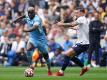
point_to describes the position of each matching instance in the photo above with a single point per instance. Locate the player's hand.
(25, 29)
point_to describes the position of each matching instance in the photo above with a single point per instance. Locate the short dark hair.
(81, 9)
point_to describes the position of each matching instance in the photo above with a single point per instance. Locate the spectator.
(67, 44)
(95, 29)
(104, 55)
(53, 45)
(85, 3)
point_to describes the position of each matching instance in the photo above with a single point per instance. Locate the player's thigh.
(30, 46)
(80, 48)
(70, 52)
(43, 48)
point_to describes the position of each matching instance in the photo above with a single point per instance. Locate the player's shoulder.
(37, 17)
(82, 17)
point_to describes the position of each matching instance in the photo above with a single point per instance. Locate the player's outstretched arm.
(72, 24)
(64, 24)
(18, 19)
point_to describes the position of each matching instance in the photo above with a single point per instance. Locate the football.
(28, 72)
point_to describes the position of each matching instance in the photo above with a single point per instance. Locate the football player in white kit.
(82, 43)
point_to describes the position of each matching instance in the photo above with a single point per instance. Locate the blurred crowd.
(13, 40)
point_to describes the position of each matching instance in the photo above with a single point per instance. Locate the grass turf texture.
(71, 73)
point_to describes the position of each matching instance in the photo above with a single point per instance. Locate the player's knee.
(46, 56)
(70, 53)
(30, 49)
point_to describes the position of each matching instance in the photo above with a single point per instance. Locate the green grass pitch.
(71, 73)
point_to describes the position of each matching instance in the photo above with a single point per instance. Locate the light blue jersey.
(38, 34)
(37, 37)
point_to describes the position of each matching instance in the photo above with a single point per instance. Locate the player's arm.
(68, 25)
(35, 26)
(79, 21)
(18, 19)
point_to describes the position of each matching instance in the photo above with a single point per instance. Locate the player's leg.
(32, 57)
(78, 50)
(66, 62)
(77, 61)
(46, 57)
(44, 50)
(70, 54)
(30, 49)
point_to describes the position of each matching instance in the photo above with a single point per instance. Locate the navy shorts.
(79, 48)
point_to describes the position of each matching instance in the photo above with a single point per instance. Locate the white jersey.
(83, 30)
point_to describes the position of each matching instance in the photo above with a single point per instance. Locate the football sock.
(48, 64)
(29, 57)
(46, 57)
(66, 62)
(77, 61)
(74, 59)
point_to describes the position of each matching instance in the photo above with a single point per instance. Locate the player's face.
(78, 13)
(31, 14)
(96, 15)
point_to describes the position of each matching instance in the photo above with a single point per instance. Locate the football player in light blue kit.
(37, 37)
